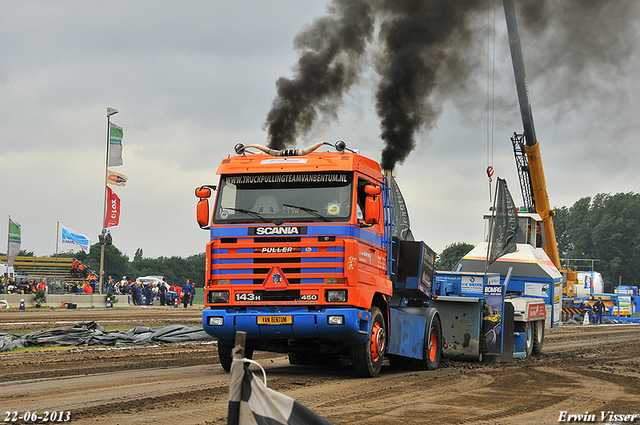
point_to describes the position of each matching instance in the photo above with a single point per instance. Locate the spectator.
(137, 293)
(586, 309)
(187, 293)
(598, 309)
(74, 268)
(126, 290)
(111, 285)
(179, 292)
(162, 291)
(148, 293)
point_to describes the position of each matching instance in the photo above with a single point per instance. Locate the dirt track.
(582, 369)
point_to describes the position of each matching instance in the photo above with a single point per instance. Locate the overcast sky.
(191, 79)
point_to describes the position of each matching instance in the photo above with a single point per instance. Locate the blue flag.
(69, 237)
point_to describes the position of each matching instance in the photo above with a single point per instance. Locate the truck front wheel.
(225, 349)
(366, 359)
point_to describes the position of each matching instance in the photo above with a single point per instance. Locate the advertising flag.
(116, 179)
(115, 145)
(69, 237)
(401, 224)
(14, 242)
(505, 229)
(113, 209)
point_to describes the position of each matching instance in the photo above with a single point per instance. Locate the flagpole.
(110, 111)
(8, 233)
(55, 273)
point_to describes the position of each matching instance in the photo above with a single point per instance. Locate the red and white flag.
(116, 178)
(113, 209)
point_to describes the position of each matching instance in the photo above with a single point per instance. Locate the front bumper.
(305, 323)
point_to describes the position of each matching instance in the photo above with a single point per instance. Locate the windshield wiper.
(309, 210)
(256, 215)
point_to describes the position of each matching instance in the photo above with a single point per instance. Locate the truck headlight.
(336, 296)
(335, 320)
(215, 321)
(218, 297)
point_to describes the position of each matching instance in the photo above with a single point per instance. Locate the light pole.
(110, 112)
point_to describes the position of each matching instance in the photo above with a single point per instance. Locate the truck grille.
(302, 259)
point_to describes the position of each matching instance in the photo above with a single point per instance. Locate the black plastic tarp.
(91, 333)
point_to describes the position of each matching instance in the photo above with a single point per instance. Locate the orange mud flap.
(461, 319)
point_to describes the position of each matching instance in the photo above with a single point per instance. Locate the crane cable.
(490, 111)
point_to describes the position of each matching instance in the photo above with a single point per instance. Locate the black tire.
(298, 358)
(224, 353)
(538, 337)
(225, 349)
(367, 358)
(528, 342)
(433, 349)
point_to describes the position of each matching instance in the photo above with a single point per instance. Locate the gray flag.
(505, 228)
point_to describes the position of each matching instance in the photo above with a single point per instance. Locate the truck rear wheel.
(538, 337)
(528, 344)
(366, 358)
(433, 349)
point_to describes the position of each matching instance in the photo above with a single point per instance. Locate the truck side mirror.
(203, 192)
(202, 208)
(202, 213)
(372, 204)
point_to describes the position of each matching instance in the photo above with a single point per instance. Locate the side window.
(227, 201)
(361, 195)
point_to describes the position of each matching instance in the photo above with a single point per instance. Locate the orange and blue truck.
(311, 254)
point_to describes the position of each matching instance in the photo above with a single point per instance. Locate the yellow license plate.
(274, 320)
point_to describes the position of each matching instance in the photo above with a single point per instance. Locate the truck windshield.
(287, 197)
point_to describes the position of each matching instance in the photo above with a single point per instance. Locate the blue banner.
(69, 237)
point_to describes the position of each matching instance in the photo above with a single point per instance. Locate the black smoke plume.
(424, 56)
(422, 40)
(328, 66)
